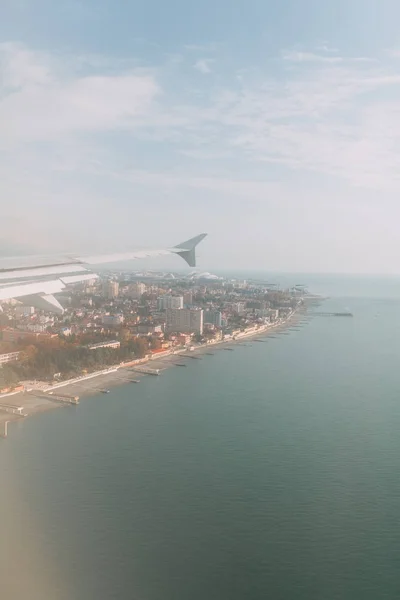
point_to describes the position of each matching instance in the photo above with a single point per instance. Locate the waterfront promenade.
(123, 374)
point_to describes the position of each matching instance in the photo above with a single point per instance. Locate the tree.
(140, 347)
(30, 353)
(8, 377)
(155, 343)
(124, 334)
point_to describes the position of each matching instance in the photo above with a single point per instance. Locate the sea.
(271, 472)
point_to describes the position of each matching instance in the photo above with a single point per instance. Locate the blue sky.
(275, 127)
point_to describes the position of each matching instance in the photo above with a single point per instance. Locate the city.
(122, 317)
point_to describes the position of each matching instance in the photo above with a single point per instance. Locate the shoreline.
(122, 374)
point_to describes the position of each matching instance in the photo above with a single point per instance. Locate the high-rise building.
(188, 298)
(185, 320)
(110, 289)
(214, 317)
(167, 301)
(136, 290)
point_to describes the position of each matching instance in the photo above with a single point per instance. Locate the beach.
(16, 406)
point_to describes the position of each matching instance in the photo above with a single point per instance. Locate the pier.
(12, 410)
(5, 431)
(188, 356)
(333, 314)
(65, 398)
(146, 370)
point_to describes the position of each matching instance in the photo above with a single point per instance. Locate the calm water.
(267, 472)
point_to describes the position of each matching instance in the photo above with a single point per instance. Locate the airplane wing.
(35, 280)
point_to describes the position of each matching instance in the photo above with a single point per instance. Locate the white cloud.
(41, 101)
(20, 67)
(294, 56)
(304, 57)
(320, 118)
(310, 114)
(393, 53)
(203, 65)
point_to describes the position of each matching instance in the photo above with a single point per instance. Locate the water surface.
(267, 472)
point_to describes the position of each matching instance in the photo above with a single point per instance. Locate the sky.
(272, 126)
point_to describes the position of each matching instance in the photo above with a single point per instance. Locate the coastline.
(38, 400)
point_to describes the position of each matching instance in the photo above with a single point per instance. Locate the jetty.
(333, 314)
(64, 398)
(146, 370)
(12, 409)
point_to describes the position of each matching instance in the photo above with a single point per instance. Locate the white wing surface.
(35, 280)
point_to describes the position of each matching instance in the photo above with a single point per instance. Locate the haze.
(275, 127)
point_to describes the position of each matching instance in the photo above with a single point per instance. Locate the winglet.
(187, 250)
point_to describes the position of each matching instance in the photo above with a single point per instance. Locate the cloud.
(20, 67)
(393, 53)
(333, 118)
(294, 56)
(40, 101)
(81, 135)
(303, 57)
(203, 65)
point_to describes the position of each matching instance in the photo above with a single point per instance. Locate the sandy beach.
(39, 400)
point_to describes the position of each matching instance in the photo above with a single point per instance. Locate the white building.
(110, 289)
(9, 357)
(167, 301)
(112, 320)
(45, 319)
(239, 308)
(106, 344)
(24, 311)
(185, 320)
(136, 290)
(37, 327)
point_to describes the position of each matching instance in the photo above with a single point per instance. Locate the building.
(144, 310)
(110, 289)
(146, 329)
(188, 298)
(112, 320)
(214, 317)
(37, 327)
(240, 284)
(15, 335)
(65, 331)
(185, 320)
(273, 314)
(24, 311)
(106, 344)
(167, 301)
(184, 339)
(136, 290)
(9, 357)
(239, 308)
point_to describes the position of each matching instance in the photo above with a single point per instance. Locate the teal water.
(267, 472)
